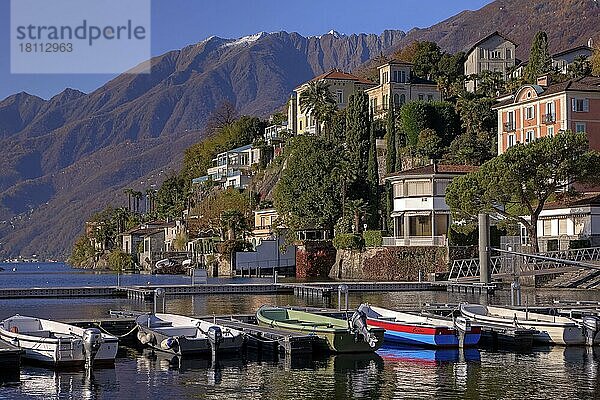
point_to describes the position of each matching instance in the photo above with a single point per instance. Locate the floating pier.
(470, 288)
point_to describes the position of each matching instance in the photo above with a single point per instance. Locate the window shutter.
(574, 104)
(586, 105)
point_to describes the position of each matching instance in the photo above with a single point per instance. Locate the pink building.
(544, 109)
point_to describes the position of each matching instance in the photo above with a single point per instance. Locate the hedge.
(373, 238)
(348, 241)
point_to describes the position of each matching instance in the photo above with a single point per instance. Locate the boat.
(551, 329)
(181, 335)
(58, 344)
(421, 330)
(336, 335)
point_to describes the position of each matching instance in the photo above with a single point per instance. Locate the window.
(396, 99)
(508, 54)
(421, 97)
(402, 76)
(398, 190)
(418, 188)
(385, 77)
(440, 187)
(581, 105)
(373, 104)
(529, 136)
(529, 112)
(482, 53)
(385, 102)
(301, 125)
(550, 131)
(579, 127)
(495, 54)
(510, 140)
(402, 99)
(562, 226)
(429, 97)
(547, 228)
(340, 97)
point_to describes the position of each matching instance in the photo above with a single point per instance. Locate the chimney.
(543, 81)
(590, 42)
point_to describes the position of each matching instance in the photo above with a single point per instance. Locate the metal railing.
(509, 127)
(549, 118)
(415, 241)
(508, 264)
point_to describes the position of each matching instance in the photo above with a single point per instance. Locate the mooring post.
(342, 289)
(484, 248)
(159, 294)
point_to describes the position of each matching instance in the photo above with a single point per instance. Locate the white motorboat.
(59, 344)
(181, 335)
(551, 329)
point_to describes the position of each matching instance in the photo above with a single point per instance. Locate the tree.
(429, 145)
(595, 61)
(129, 192)
(373, 181)
(425, 61)
(580, 67)
(224, 114)
(540, 61)
(357, 142)
(171, 198)
(317, 101)
(390, 136)
(517, 184)
(490, 83)
(233, 222)
(450, 75)
(210, 210)
(308, 193)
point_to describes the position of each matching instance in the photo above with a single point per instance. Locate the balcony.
(415, 241)
(509, 126)
(549, 118)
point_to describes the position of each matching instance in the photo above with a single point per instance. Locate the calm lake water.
(392, 373)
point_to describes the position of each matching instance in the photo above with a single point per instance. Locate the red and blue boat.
(419, 330)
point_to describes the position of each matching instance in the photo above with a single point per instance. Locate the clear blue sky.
(177, 23)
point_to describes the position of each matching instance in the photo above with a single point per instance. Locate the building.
(562, 222)
(149, 242)
(544, 109)
(561, 60)
(264, 225)
(232, 168)
(420, 214)
(341, 85)
(494, 53)
(397, 83)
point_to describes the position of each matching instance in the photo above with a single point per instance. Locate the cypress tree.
(373, 179)
(357, 140)
(390, 160)
(540, 60)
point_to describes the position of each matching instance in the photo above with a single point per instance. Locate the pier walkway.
(320, 289)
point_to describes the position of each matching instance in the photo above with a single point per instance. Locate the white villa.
(420, 213)
(232, 168)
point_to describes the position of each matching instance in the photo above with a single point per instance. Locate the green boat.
(336, 335)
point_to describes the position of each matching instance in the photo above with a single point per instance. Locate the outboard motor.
(359, 325)
(215, 337)
(462, 326)
(170, 344)
(591, 326)
(92, 340)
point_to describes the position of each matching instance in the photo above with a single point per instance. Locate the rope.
(117, 336)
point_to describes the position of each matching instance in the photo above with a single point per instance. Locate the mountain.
(64, 158)
(568, 23)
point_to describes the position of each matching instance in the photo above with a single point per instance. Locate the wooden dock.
(10, 363)
(146, 293)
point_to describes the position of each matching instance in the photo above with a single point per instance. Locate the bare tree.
(224, 114)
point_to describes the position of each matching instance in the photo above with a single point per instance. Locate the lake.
(392, 373)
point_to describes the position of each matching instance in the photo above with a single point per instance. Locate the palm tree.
(234, 221)
(316, 100)
(129, 193)
(137, 196)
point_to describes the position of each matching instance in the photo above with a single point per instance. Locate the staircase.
(581, 278)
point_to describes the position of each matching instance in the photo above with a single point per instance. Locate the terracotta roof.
(341, 75)
(486, 38)
(585, 84)
(437, 169)
(584, 199)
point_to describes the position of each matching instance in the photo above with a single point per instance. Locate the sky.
(178, 23)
